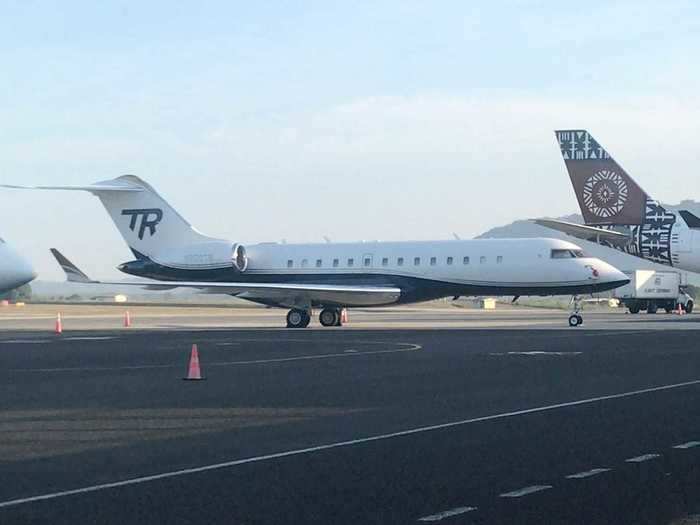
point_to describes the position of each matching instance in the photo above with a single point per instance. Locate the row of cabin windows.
(367, 261)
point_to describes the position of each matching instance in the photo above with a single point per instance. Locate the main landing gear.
(298, 318)
(575, 319)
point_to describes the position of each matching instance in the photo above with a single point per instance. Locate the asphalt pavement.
(350, 426)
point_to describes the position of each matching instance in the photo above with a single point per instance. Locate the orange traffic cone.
(194, 373)
(344, 315)
(127, 319)
(59, 325)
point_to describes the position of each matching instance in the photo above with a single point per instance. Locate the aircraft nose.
(605, 273)
(23, 274)
(15, 272)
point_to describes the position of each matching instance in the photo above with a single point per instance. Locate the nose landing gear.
(575, 319)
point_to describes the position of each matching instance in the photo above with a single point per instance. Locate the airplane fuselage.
(663, 238)
(423, 270)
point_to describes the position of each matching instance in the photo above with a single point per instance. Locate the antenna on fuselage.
(457, 237)
(327, 239)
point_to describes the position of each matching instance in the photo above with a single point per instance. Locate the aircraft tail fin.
(606, 194)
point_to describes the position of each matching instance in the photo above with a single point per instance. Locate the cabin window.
(482, 259)
(433, 261)
(351, 262)
(499, 259)
(465, 260)
(368, 261)
(290, 263)
(385, 261)
(449, 261)
(336, 262)
(319, 263)
(567, 254)
(416, 261)
(399, 261)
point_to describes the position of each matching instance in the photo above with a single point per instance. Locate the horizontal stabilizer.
(693, 221)
(91, 187)
(587, 233)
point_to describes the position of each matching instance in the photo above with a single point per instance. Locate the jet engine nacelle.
(239, 258)
(210, 255)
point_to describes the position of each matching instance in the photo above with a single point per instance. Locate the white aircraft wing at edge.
(587, 233)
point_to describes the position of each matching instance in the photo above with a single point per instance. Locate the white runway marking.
(342, 444)
(642, 458)
(447, 514)
(27, 341)
(588, 473)
(410, 347)
(226, 344)
(537, 353)
(689, 444)
(525, 491)
(89, 338)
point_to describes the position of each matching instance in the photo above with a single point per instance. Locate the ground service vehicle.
(650, 290)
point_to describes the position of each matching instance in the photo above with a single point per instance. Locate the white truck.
(650, 290)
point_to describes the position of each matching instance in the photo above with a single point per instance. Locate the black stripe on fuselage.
(413, 289)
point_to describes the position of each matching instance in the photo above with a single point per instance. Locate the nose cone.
(606, 276)
(15, 270)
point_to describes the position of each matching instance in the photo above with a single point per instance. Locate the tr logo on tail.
(150, 217)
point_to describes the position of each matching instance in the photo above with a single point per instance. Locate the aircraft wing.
(288, 294)
(587, 233)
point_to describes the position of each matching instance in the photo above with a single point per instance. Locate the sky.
(262, 121)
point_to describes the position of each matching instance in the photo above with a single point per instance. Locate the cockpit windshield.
(567, 254)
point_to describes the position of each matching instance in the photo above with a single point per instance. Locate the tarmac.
(407, 415)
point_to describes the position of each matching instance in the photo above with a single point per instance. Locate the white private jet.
(332, 276)
(15, 270)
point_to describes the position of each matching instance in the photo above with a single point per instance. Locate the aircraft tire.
(298, 318)
(575, 320)
(329, 317)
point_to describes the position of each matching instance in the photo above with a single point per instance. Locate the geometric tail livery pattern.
(611, 199)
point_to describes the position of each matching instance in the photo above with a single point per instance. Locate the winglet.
(693, 221)
(73, 273)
